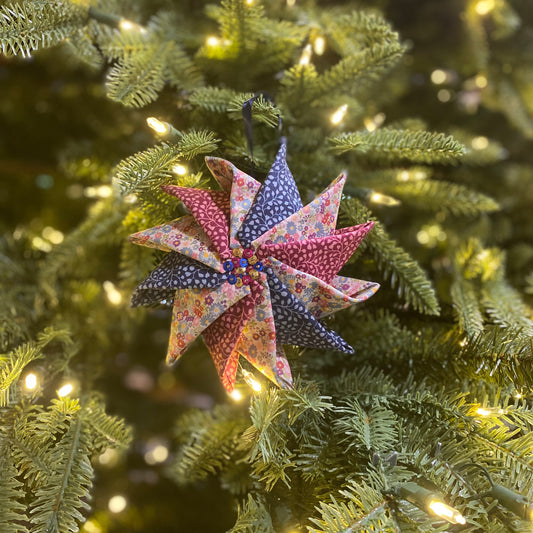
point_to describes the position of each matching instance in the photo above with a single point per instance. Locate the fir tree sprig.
(29, 26)
(406, 275)
(388, 146)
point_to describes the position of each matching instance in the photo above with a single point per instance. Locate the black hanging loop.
(248, 126)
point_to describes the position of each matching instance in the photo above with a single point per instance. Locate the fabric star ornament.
(251, 269)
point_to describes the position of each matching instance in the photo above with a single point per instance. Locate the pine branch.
(59, 501)
(350, 32)
(146, 171)
(359, 71)
(252, 517)
(13, 363)
(406, 275)
(105, 430)
(136, 80)
(208, 440)
(505, 306)
(12, 494)
(466, 306)
(31, 25)
(440, 195)
(374, 428)
(387, 145)
(101, 227)
(213, 99)
(364, 510)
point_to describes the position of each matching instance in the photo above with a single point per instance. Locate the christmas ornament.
(251, 269)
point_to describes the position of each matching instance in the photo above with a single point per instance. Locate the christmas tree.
(425, 106)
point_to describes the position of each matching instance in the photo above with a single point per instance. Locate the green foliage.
(439, 195)
(466, 306)
(387, 145)
(406, 276)
(32, 25)
(206, 451)
(252, 517)
(329, 454)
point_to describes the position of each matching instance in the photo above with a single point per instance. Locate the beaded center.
(243, 268)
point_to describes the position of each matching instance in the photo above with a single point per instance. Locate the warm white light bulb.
(445, 511)
(236, 395)
(479, 143)
(128, 25)
(65, 390)
(338, 115)
(438, 76)
(159, 127)
(383, 199)
(484, 7)
(180, 170)
(212, 41)
(307, 53)
(249, 378)
(113, 295)
(31, 381)
(319, 45)
(117, 503)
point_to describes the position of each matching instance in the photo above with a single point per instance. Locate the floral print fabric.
(253, 269)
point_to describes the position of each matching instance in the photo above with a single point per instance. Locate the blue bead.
(228, 266)
(258, 266)
(243, 262)
(232, 278)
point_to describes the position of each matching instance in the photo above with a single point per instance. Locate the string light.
(429, 501)
(489, 411)
(445, 511)
(212, 40)
(158, 454)
(113, 295)
(103, 191)
(410, 175)
(180, 170)
(117, 503)
(128, 25)
(484, 7)
(65, 390)
(319, 45)
(481, 81)
(338, 115)
(108, 458)
(307, 53)
(378, 198)
(249, 378)
(479, 143)
(373, 123)
(30, 382)
(236, 395)
(53, 235)
(438, 77)
(511, 500)
(91, 527)
(159, 127)
(444, 96)
(249, 2)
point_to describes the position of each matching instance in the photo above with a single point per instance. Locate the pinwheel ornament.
(251, 269)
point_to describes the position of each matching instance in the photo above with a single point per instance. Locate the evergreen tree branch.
(505, 306)
(388, 146)
(466, 306)
(31, 25)
(440, 195)
(406, 275)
